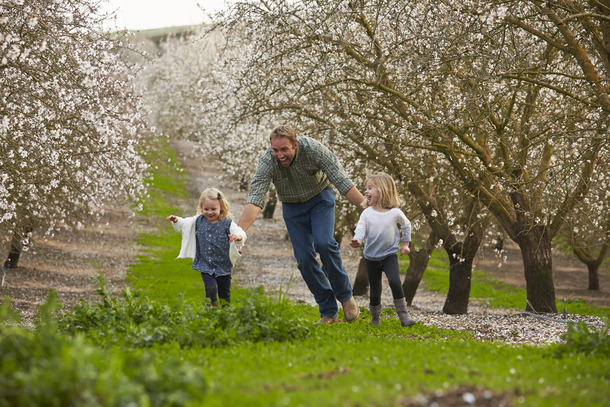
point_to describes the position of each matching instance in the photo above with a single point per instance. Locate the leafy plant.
(579, 338)
(46, 367)
(135, 320)
(8, 315)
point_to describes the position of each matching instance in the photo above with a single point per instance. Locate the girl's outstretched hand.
(172, 218)
(354, 243)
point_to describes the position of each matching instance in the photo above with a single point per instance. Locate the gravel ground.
(268, 261)
(66, 263)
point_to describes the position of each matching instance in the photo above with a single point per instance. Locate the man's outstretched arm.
(248, 216)
(355, 197)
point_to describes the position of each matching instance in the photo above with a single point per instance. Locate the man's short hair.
(284, 130)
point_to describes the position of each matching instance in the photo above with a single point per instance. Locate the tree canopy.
(70, 126)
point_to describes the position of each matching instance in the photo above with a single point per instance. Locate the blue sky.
(146, 14)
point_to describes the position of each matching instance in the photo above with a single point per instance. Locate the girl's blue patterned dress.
(212, 249)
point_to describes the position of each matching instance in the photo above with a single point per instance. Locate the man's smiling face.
(283, 150)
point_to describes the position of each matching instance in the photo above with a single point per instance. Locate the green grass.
(352, 368)
(157, 271)
(358, 364)
(161, 344)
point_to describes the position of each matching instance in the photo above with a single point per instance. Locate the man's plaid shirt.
(312, 171)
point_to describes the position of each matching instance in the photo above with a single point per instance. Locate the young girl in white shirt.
(378, 229)
(210, 239)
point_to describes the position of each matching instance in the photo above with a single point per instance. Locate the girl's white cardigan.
(186, 226)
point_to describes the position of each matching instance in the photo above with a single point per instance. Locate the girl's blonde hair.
(213, 193)
(388, 194)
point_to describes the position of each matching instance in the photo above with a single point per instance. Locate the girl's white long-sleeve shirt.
(379, 232)
(188, 248)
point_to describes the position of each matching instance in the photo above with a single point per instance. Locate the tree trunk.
(460, 273)
(461, 257)
(586, 255)
(535, 248)
(270, 206)
(473, 227)
(418, 261)
(14, 254)
(417, 265)
(593, 276)
(361, 283)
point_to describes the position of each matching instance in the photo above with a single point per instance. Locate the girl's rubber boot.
(375, 314)
(401, 310)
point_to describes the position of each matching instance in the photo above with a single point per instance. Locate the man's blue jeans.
(311, 228)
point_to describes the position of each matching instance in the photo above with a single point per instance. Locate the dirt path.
(67, 262)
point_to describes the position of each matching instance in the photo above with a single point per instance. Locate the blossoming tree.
(509, 93)
(70, 130)
(506, 100)
(364, 145)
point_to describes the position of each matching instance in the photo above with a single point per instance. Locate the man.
(302, 170)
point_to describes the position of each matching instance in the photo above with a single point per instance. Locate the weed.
(283, 294)
(134, 319)
(46, 367)
(593, 342)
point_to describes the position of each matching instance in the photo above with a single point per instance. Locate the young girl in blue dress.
(378, 230)
(211, 239)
